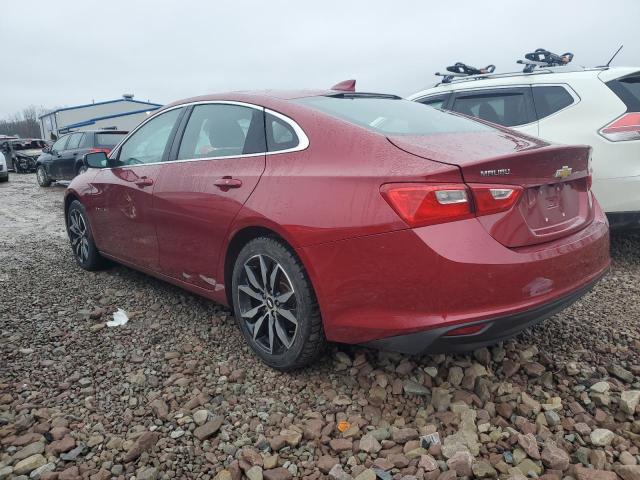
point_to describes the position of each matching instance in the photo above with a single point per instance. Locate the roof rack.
(544, 58)
(459, 69)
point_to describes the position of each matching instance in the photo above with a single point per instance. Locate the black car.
(63, 160)
(21, 154)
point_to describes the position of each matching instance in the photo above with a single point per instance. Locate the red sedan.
(348, 217)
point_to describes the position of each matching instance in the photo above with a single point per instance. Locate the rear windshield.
(392, 116)
(108, 139)
(628, 90)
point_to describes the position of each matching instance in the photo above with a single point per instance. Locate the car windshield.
(108, 139)
(391, 115)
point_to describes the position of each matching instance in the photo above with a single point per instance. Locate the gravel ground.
(176, 393)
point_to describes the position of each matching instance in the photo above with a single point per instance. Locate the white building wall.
(54, 122)
(128, 123)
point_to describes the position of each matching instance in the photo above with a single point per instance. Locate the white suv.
(593, 106)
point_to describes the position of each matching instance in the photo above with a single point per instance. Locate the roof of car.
(253, 96)
(542, 75)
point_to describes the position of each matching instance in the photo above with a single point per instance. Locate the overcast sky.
(64, 52)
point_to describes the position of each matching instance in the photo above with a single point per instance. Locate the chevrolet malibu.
(348, 217)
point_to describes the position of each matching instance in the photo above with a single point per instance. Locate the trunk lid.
(555, 200)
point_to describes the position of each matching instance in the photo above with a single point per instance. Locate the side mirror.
(96, 160)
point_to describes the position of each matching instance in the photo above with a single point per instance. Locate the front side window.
(550, 99)
(60, 144)
(149, 142)
(221, 130)
(508, 108)
(391, 115)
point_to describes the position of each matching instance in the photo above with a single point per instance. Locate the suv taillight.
(624, 128)
(105, 150)
(421, 204)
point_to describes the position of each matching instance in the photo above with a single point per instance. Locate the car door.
(122, 206)
(214, 168)
(56, 153)
(510, 107)
(66, 162)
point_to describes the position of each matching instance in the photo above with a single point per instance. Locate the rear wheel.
(43, 176)
(81, 238)
(275, 305)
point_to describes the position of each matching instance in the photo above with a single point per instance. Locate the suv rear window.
(628, 90)
(391, 115)
(550, 99)
(108, 139)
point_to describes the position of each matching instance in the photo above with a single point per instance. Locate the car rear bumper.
(494, 330)
(432, 279)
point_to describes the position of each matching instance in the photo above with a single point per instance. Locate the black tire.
(80, 169)
(43, 177)
(4, 179)
(80, 235)
(307, 339)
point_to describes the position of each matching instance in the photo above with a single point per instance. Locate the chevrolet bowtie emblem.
(563, 172)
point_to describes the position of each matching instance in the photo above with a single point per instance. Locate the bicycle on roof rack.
(460, 69)
(544, 58)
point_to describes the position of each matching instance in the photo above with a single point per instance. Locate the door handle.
(143, 182)
(225, 183)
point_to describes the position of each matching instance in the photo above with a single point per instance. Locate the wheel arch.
(69, 197)
(244, 235)
(236, 243)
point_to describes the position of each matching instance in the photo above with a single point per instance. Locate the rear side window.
(628, 90)
(280, 135)
(550, 99)
(508, 108)
(108, 140)
(60, 144)
(74, 141)
(435, 102)
(86, 140)
(220, 130)
(391, 115)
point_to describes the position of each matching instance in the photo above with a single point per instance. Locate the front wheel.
(81, 238)
(275, 305)
(43, 176)
(81, 169)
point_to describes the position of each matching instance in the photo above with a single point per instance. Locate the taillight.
(624, 128)
(494, 198)
(421, 204)
(105, 150)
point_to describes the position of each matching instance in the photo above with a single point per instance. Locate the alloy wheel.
(268, 304)
(40, 175)
(79, 236)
